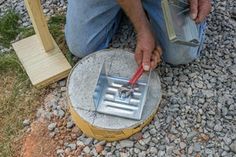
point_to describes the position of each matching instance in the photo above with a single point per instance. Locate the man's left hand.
(199, 9)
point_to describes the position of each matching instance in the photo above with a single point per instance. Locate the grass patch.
(56, 26)
(26, 32)
(9, 28)
(18, 100)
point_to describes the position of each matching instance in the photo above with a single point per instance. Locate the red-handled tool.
(136, 75)
(128, 89)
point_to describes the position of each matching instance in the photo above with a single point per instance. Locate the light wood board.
(39, 23)
(42, 68)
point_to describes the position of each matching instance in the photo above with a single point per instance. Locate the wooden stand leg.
(39, 23)
(39, 54)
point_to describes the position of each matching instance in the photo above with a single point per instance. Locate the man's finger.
(146, 60)
(153, 61)
(193, 8)
(138, 56)
(204, 10)
(159, 50)
(158, 57)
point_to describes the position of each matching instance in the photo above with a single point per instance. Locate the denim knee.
(80, 49)
(181, 55)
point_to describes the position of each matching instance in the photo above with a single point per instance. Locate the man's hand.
(147, 52)
(199, 9)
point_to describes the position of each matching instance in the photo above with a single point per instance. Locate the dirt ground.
(38, 143)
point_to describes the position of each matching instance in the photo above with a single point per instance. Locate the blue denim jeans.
(91, 24)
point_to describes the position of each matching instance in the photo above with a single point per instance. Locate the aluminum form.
(108, 101)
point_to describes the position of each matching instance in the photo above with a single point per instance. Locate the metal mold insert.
(181, 28)
(107, 99)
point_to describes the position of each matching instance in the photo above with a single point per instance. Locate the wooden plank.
(39, 23)
(42, 68)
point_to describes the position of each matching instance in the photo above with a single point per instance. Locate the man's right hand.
(147, 52)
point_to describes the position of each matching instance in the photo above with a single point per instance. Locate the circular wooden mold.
(82, 83)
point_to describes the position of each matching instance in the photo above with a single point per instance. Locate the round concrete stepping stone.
(81, 85)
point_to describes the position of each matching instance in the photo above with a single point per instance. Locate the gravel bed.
(197, 115)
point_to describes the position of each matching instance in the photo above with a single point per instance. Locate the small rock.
(86, 150)
(197, 147)
(123, 154)
(183, 78)
(52, 134)
(136, 150)
(199, 118)
(182, 145)
(153, 131)
(208, 151)
(60, 151)
(2, 1)
(26, 122)
(72, 146)
(88, 141)
(142, 154)
(70, 124)
(146, 135)
(208, 93)
(137, 136)
(102, 143)
(161, 153)
(74, 136)
(191, 135)
(126, 143)
(62, 83)
(224, 111)
(189, 92)
(45, 11)
(80, 143)
(52, 126)
(232, 69)
(76, 130)
(210, 124)
(218, 127)
(94, 152)
(199, 85)
(139, 146)
(190, 150)
(63, 89)
(227, 140)
(153, 150)
(60, 113)
(99, 148)
(176, 151)
(169, 149)
(204, 137)
(208, 67)
(67, 151)
(233, 147)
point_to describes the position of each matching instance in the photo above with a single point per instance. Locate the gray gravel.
(52, 126)
(26, 122)
(198, 110)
